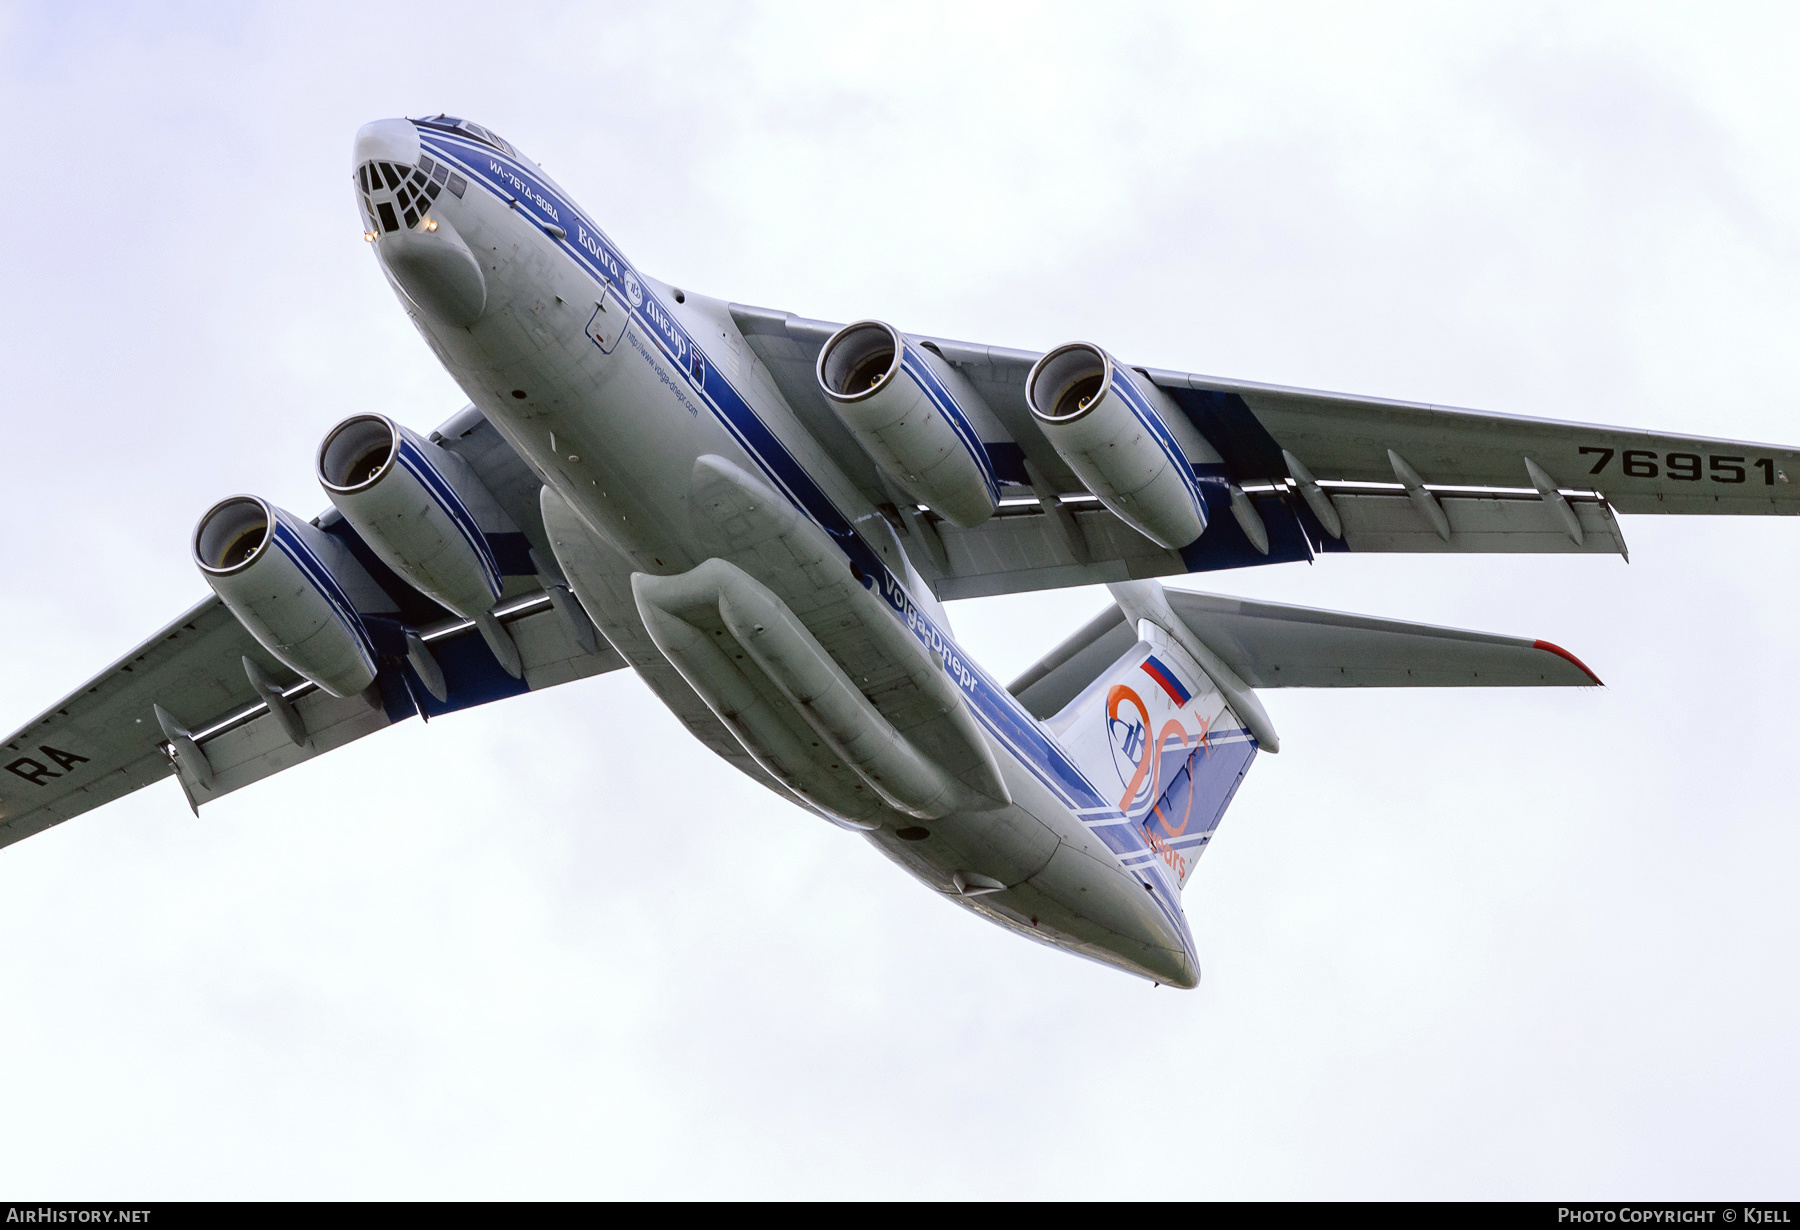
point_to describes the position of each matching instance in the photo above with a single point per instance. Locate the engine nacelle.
(294, 587)
(1124, 439)
(420, 509)
(914, 415)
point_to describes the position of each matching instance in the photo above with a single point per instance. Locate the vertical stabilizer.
(1156, 736)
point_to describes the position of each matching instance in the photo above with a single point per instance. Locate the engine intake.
(1124, 439)
(295, 588)
(420, 509)
(916, 417)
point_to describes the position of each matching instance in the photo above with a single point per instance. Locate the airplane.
(761, 515)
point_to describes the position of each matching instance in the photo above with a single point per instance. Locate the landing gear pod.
(295, 589)
(418, 507)
(1123, 439)
(914, 415)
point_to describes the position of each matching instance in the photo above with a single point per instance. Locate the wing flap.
(254, 746)
(101, 741)
(1389, 521)
(1021, 550)
(259, 748)
(104, 787)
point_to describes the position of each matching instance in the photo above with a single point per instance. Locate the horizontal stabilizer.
(1273, 645)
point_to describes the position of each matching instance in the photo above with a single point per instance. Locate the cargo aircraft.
(762, 514)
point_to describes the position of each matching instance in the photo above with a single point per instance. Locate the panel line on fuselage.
(999, 711)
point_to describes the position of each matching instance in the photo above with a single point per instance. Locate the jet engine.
(294, 587)
(915, 415)
(418, 507)
(1124, 439)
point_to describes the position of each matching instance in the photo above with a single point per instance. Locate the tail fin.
(1153, 728)
(1156, 722)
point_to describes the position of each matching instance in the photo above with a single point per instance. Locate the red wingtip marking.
(1560, 652)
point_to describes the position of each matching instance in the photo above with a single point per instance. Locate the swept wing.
(1503, 483)
(108, 738)
(105, 740)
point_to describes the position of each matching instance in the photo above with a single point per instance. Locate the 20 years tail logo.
(1127, 733)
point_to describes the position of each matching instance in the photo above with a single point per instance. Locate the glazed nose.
(395, 141)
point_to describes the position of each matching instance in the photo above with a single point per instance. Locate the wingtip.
(1560, 652)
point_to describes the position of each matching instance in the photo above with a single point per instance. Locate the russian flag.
(1166, 680)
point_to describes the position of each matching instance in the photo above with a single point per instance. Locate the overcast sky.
(1455, 943)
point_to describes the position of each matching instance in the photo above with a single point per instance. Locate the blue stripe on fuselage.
(1009, 723)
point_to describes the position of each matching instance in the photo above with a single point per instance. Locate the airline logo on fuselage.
(927, 632)
(600, 252)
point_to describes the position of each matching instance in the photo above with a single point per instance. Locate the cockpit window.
(451, 123)
(395, 195)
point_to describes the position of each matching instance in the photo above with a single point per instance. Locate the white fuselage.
(611, 385)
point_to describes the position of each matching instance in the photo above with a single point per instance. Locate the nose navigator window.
(395, 195)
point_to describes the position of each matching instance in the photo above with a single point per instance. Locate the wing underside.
(1325, 473)
(107, 739)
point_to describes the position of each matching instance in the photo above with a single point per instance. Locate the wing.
(104, 740)
(1325, 472)
(107, 738)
